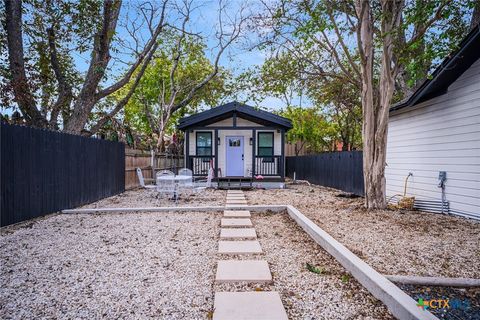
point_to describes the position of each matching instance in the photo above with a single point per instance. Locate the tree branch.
(148, 47)
(64, 89)
(20, 85)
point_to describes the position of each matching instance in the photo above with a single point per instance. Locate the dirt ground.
(391, 241)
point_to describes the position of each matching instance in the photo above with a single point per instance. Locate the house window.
(232, 142)
(204, 144)
(265, 145)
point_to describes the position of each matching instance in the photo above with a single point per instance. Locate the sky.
(204, 19)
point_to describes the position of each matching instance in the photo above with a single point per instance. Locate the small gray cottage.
(434, 137)
(242, 145)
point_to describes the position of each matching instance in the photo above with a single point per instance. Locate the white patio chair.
(165, 173)
(187, 184)
(201, 185)
(166, 186)
(141, 179)
(185, 172)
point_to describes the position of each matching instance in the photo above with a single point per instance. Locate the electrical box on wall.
(442, 178)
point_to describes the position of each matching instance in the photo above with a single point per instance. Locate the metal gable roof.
(242, 110)
(454, 65)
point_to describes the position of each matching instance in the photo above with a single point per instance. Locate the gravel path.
(332, 294)
(391, 241)
(129, 266)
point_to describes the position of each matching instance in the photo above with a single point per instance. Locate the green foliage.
(144, 110)
(74, 23)
(314, 132)
(422, 56)
(346, 278)
(314, 269)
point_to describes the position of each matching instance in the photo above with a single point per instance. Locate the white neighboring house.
(437, 129)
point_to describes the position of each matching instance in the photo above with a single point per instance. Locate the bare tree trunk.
(376, 108)
(65, 94)
(21, 89)
(370, 174)
(164, 119)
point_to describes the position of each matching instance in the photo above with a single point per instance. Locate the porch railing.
(268, 165)
(201, 164)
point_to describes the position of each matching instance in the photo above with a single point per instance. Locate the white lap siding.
(441, 134)
(238, 131)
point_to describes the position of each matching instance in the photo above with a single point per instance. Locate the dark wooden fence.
(44, 171)
(340, 170)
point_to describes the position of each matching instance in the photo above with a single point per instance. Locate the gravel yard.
(151, 198)
(330, 294)
(162, 265)
(150, 265)
(391, 241)
(129, 266)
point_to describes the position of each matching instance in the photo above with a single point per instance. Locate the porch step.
(235, 222)
(237, 214)
(238, 233)
(235, 183)
(248, 305)
(243, 270)
(239, 247)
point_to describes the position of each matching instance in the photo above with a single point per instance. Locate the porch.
(270, 168)
(241, 144)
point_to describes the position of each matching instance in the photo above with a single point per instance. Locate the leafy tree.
(310, 129)
(40, 39)
(371, 46)
(286, 77)
(145, 113)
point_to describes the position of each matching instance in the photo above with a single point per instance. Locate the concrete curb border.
(398, 302)
(435, 281)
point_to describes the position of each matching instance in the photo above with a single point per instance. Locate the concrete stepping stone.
(248, 305)
(240, 202)
(236, 198)
(236, 222)
(236, 214)
(243, 270)
(235, 206)
(229, 193)
(238, 233)
(239, 247)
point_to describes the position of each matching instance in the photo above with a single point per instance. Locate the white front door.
(234, 156)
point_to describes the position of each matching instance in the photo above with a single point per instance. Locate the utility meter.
(442, 178)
